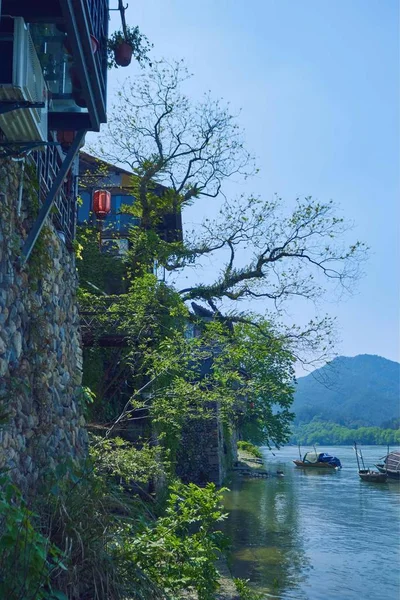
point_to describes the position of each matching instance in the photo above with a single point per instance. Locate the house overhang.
(82, 21)
(77, 20)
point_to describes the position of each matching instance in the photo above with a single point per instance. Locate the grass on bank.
(250, 448)
(91, 536)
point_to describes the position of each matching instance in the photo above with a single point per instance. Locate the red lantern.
(101, 203)
(65, 138)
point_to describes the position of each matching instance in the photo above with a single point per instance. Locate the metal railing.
(47, 163)
(98, 11)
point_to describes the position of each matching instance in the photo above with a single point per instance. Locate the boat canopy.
(331, 460)
(392, 461)
(323, 457)
(311, 457)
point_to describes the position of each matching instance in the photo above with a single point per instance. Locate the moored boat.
(318, 460)
(372, 476)
(390, 465)
(367, 474)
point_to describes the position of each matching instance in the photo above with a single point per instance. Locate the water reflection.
(315, 535)
(263, 523)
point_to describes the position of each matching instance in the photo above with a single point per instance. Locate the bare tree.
(164, 138)
(289, 252)
(190, 150)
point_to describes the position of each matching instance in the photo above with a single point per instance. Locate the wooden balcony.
(102, 329)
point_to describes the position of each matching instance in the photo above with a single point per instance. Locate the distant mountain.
(363, 390)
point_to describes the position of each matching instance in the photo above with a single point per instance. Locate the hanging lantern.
(65, 138)
(101, 203)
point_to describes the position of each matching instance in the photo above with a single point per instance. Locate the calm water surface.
(316, 535)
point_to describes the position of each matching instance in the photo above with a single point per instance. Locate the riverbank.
(248, 465)
(227, 589)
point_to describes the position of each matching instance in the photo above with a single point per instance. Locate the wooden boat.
(317, 465)
(372, 476)
(317, 460)
(367, 474)
(390, 465)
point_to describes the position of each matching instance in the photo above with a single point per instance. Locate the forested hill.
(363, 390)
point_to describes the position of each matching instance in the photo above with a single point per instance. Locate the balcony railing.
(102, 329)
(98, 10)
(47, 163)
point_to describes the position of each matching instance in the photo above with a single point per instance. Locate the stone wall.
(41, 420)
(207, 450)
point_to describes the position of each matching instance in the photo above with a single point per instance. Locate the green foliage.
(99, 272)
(251, 375)
(247, 374)
(82, 513)
(325, 432)
(115, 547)
(250, 448)
(28, 560)
(121, 460)
(147, 247)
(86, 397)
(179, 550)
(244, 590)
(264, 362)
(105, 373)
(40, 261)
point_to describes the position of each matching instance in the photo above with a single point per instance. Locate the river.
(316, 535)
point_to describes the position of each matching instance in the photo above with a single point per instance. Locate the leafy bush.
(124, 462)
(114, 545)
(90, 513)
(250, 448)
(245, 592)
(28, 560)
(178, 551)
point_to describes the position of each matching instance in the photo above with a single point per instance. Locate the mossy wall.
(207, 450)
(41, 420)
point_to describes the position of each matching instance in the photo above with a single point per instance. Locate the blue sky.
(317, 83)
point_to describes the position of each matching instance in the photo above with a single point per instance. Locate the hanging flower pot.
(123, 54)
(122, 45)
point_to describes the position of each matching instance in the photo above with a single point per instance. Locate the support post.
(48, 203)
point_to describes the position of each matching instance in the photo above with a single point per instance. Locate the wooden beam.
(66, 121)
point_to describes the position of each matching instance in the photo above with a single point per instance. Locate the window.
(116, 221)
